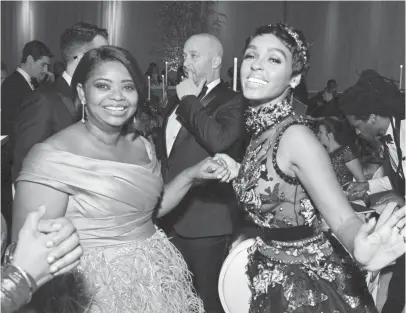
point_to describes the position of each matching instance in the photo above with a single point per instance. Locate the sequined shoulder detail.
(287, 178)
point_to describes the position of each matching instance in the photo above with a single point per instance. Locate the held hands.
(187, 87)
(47, 247)
(228, 163)
(378, 244)
(209, 169)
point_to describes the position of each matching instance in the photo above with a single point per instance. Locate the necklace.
(268, 115)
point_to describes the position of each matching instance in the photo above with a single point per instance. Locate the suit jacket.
(13, 91)
(214, 124)
(46, 111)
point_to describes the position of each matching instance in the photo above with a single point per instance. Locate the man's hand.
(357, 190)
(187, 87)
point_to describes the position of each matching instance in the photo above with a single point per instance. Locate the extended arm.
(307, 159)
(355, 168)
(175, 190)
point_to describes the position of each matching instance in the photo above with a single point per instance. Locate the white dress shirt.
(67, 77)
(173, 126)
(383, 184)
(26, 77)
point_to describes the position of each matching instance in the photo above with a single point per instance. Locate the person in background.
(345, 163)
(376, 109)
(58, 67)
(3, 72)
(204, 118)
(330, 92)
(45, 249)
(153, 73)
(50, 109)
(36, 58)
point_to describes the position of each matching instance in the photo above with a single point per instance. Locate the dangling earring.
(83, 113)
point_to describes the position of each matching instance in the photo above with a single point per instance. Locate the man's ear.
(30, 59)
(295, 80)
(216, 62)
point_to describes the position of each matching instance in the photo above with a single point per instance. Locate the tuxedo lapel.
(68, 103)
(171, 106)
(64, 93)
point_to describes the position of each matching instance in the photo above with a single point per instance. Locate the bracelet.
(14, 285)
(9, 253)
(30, 281)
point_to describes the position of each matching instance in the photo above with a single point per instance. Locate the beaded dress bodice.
(272, 198)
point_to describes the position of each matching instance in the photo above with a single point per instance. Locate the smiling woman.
(107, 180)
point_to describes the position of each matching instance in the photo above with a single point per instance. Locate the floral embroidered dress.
(292, 266)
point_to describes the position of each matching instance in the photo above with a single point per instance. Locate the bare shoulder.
(299, 140)
(68, 138)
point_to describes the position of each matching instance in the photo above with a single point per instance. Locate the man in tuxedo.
(35, 61)
(205, 118)
(376, 109)
(50, 108)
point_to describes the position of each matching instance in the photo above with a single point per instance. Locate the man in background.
(50, 108)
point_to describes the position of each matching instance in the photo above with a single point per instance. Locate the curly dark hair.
(373, 94)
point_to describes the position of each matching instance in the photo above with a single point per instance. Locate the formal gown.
(292, 266)
(128, 264)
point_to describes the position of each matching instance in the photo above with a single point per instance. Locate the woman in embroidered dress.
(292, 266)
(107, 180)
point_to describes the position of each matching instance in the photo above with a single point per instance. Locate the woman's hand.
(378, 244)
(208, 169)
(228, 163)
(36, 252)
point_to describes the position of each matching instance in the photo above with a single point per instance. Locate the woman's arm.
(30, 196)
(301, 154)
(355, 168)
(175, 190)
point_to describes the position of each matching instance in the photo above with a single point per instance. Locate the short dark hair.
(331, 81)
(37, 49)
(96, 57)
(300, 55)
(73, 39)
(343, 134)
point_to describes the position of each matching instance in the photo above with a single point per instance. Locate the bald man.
(206, 117)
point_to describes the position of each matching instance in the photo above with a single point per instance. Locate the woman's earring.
(83, 113)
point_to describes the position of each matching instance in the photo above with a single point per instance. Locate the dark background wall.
(346, 37)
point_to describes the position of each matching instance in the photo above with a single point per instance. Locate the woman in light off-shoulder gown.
(107, 180)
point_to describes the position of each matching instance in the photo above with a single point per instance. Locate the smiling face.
(110, 95)
(266, 71)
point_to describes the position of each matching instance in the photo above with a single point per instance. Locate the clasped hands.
(46, 248)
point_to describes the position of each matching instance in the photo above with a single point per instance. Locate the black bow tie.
(203, 92)
(387, 139)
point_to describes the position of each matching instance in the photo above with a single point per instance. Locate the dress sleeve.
(348, 155)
